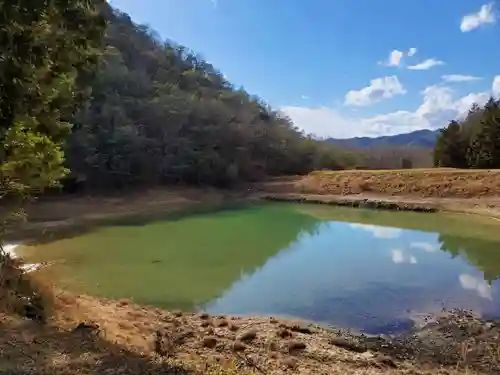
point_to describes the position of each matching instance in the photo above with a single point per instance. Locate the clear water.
(374, 271)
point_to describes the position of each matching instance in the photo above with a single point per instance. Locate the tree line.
(160, 114)
(106, 102)
(473, 142)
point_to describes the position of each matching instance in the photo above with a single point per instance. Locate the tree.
(49, 52)
(160, 114)
(451, 147)
(406, 163)
(484, 151)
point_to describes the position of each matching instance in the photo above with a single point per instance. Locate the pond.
(373, 271)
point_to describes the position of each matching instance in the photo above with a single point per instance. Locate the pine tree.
(450, 149)
(484, 150)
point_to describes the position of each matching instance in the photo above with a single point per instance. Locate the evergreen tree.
(484, 150)
(451, 147)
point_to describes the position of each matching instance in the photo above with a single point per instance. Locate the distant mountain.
(419, 138)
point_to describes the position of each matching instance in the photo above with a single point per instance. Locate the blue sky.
(344, 68)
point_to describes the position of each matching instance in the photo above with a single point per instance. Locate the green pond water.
(374, 271)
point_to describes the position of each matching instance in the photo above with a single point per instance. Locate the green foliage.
(161, 114)
(49, 50)
(451, 147)
(473, 142)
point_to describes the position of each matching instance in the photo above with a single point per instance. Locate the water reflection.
(374, 278)
(370, 270)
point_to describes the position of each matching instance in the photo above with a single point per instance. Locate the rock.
(272, 345)
(204, 316)
(177, 313)
(238, 346)
(347, 345)
(248, 335)
(274, 355)
(180, 339)
(221, 323)
(294, 345)
(284, 333)
(209, 342)
(205, 323)
(301, 329)
(289, 362)
(86, 327)
(233, 327)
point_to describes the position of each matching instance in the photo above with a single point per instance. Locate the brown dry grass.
(24, 294)
(439, 182)
(130, 338)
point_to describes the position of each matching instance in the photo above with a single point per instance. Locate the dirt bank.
(75, 212)
(476, 192)
(121, 338)
(439, 182)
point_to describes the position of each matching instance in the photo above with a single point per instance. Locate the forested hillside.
(473, 142)
(420, 138)
(408, 150)
(161, 114)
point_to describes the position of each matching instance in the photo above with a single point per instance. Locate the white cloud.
(377, 231)
(463, 104)
(485, 15)
(305, 97)
(460, 78)
(378, 90)
(426, 64)
(395, 58)
(322, 121)
(424, 246)
(470, 282)
(439, 106)
(496, 86)
(399, 257)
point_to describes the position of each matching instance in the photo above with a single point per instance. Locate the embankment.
(428, 190)
(96, 336)
(77, 212)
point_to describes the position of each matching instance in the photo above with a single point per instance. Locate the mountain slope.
(420, 138)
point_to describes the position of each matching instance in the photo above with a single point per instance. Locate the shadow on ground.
(30, 348)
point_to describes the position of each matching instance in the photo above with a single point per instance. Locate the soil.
(415, 190)
(97, 336)
(436, 182)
